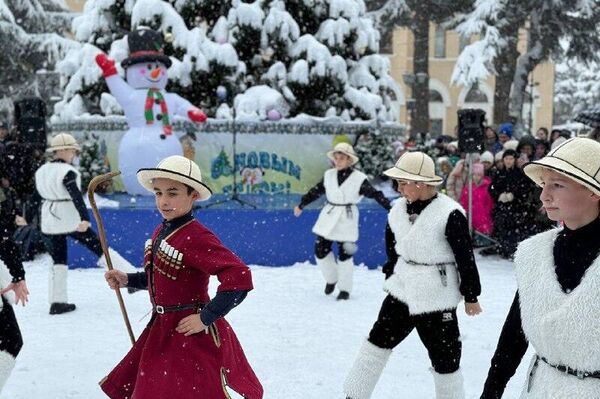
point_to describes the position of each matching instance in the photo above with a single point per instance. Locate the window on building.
(476, 96)
(440, 42)
(436, 127)
(435, 97)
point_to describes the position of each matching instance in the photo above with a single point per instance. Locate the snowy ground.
(300, 342)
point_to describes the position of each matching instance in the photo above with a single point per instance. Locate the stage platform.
(269, 235)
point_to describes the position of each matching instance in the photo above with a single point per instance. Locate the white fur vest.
(59, 215)
(563, 328)
(338, 220)
(423, 255)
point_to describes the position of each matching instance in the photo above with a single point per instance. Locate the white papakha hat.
(343, 148)
(577, 159)
(176, 168)
(63, 141)
(415, 166)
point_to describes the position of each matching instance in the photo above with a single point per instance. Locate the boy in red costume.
(187, 350)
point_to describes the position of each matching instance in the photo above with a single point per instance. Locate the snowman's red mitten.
(106, 64)
(196, 115)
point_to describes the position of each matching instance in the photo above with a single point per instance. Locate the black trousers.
(323, 248)
(58, 244)
(11, 340)
(438, 332)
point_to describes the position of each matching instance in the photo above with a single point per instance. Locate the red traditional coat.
(166, 364)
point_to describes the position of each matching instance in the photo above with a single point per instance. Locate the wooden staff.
(102, 235)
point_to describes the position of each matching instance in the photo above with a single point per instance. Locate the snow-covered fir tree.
(320, 55)
(375, 153)
(576, 89)
(555, 29)
(92, 161)
(30, 40)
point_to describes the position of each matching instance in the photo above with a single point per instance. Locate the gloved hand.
(506, 197)
(196, 115)
(106, 64)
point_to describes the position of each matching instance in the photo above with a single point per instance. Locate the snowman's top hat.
(145, 45)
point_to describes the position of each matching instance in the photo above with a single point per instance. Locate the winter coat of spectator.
(541, 149)
(491, 143)
(513, 215)
(482, 201)
(505, 132)
(457, 179)
(4, 136)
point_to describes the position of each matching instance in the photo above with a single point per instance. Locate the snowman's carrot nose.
(155, 73)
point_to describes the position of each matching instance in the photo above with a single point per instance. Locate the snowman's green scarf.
(156, 95)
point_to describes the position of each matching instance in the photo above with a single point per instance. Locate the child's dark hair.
(190, 189)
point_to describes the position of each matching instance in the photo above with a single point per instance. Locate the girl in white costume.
(344, 187)
(557, 306)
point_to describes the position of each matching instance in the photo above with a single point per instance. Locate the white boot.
(57, 292)
(345, 272)
(118, 262)
(449, 386)
(328, 268)
(365, 372)
(7, 363)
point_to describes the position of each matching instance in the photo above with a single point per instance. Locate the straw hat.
(577, 158)
(415, 166)
(63, 141)
(176, 168)
(344, 148)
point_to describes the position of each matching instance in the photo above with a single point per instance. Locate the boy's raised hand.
(116, 279)
(297, 211)
(191, 324)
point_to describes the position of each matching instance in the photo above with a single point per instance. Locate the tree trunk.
(535, 54)
(505, 65)
(420, 92)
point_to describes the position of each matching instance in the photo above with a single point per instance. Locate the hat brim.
(127, 62)
(535, 170)
(64, 147)
(399, 174)
(147, 175)
(354, 157)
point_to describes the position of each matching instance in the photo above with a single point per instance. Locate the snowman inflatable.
(148, 107)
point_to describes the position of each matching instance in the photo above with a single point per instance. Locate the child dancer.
(344, 187)
(188, 350)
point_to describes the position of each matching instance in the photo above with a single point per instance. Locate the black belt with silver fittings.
(176, 308)
(348, 208)
(571, 371)
(440, 266)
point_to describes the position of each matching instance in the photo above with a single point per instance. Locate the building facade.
(446, 99)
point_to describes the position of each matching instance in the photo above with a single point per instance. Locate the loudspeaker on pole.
(471, 130)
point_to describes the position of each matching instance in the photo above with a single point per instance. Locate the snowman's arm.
(184, 108)
(117, 86)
